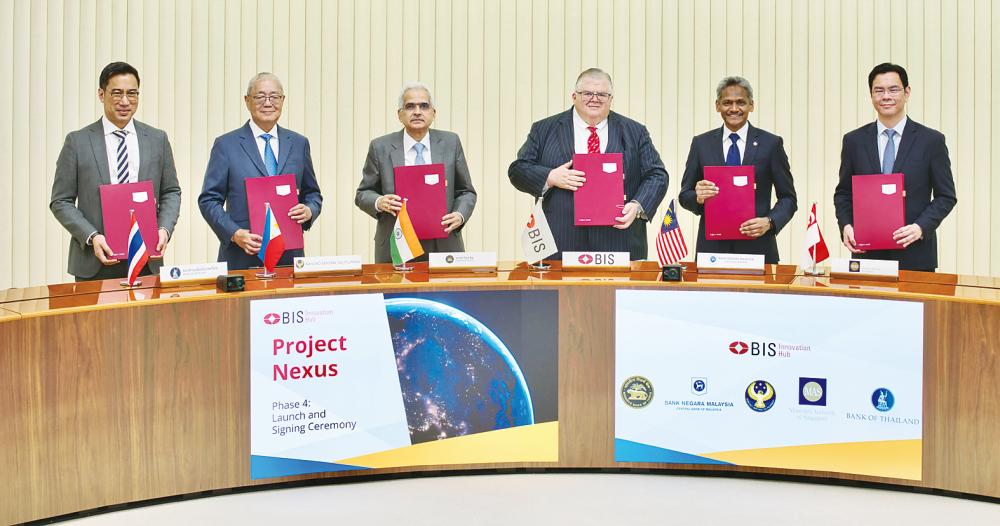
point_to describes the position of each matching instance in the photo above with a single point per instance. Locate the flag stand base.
(541, 265)
(266, 275)
(128, 285)
(815, 271)
(402, 268)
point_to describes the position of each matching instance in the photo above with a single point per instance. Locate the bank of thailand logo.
(812, 391)
(637, 391)
(760, 395)
(712, 259)
(738, 348)
(699, 385)
(585, 259)
(175, 272)
(271, 318)
(883, 400)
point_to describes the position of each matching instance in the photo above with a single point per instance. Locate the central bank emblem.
(760, 395)
(637, 391)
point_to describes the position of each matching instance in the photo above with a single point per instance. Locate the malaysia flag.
(137, 253)
(273, 244)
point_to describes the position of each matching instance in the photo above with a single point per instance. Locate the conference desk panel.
(122, 396)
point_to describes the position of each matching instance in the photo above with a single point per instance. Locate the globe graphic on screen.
(457, 377)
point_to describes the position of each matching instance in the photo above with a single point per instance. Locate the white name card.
(596, 261)
(327, 265)
(710, 263)
(187, 274)
(877, 269)
(462, 261)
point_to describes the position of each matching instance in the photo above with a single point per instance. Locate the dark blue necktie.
(733, 156)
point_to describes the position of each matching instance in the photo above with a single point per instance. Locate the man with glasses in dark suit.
(543, 169)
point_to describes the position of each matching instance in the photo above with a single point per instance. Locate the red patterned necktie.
(593, 142)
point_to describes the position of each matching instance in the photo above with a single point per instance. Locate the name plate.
(327, 266)
(188, 274)
(871, 269)
(462, 261)
(596, 261)
(710, 263)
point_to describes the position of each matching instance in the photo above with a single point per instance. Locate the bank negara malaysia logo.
(699, 385)
(637, 391)
(760, 395)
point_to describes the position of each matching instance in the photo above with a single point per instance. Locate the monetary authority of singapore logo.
(637, 391)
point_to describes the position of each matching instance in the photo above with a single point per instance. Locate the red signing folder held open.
(281, 193)
(601, 199)
(117, 200)
(423, 186)
(879, 210)
(733, 205)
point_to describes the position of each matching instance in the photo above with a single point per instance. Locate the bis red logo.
(271, 318)
(738, 348)
(585, 259)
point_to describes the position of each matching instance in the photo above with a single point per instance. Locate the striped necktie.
(122, 156)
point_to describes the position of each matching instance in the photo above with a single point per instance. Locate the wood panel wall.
(495, 67)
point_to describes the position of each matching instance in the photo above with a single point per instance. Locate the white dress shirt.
(257, 132)
(741, 143)
(131, 145)
(581, 134)
(410, 154)
(883, 140)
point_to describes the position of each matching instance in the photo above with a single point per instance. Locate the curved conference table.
(110, 396)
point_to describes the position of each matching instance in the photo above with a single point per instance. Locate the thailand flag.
(273, 244)
(137, 253)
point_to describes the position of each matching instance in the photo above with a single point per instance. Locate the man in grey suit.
(415, 144)
(136, 151)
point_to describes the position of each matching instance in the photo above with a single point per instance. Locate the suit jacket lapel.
(249, 144)
(437, 148)
(871, 146)
(565, 132)
(396, 158)
(615, 143)
(750, 150)
(100, 148)
(905, 144)
(284, 148)
(145, 151)
(716, 149)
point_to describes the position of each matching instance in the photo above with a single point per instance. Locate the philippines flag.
(670, 245)
(137, 254)
(273, 244)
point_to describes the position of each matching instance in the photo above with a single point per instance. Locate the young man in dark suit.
(893, 144)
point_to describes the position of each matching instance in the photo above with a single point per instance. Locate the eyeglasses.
(895, 90)
(261, 99)
(117, 95)
(410, 106)
(592, 95)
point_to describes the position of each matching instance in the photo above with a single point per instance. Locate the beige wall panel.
(495, 67)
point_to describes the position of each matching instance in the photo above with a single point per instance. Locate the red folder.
(733, 205)
(116, 202)
(879, 210)
(281, 193)
(601, 199)
(423, 185)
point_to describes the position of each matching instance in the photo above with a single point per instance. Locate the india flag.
(404, 244)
